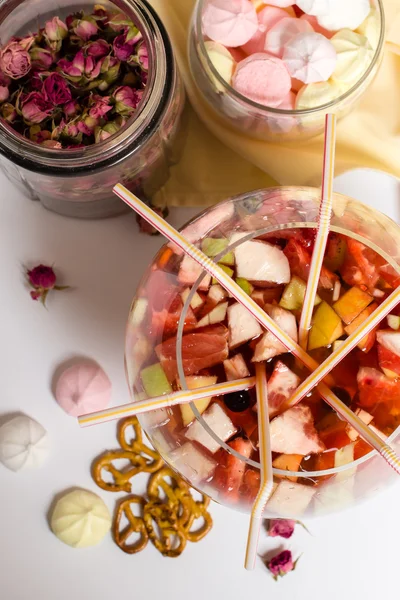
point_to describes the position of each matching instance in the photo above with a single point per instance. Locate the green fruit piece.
(351, 304)
(227, 270)
(335, 252)
(393, 322)
(228, 259)
(155, 381)
(245, 285)
(294, 294)
(326, 327)
(194, 383)
(214, 246)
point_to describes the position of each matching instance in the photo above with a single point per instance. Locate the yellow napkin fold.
(219, 162)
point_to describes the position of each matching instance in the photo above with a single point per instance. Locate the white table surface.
(352, 555)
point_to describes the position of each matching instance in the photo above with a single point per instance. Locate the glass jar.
(78, 183)
(257, 120)
(297, 493)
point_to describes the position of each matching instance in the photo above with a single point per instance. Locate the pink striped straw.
(324, 224)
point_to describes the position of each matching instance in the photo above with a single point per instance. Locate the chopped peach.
(326, 327)
(351, 304)
(369, 340)
(288, 462)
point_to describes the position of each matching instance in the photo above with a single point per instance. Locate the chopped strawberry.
(281, 386)
(360, 266)
(269, 346)
(228, 475)
(389, 362)
(161, 290)
(250, 486)
(236, 368)
(200, 350)
(165, 322)
(293, 432)
(375, 388)
(300, 261)
(335, 251)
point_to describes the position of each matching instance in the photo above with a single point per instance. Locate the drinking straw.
(262, 317)
(324, 224)
(165, 401)
(267, 480)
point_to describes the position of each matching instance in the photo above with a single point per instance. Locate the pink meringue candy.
(285, 30)
(83, 388)
(263, 78)
(310, 57)
(316, 26)
(267, 18)
(230, 22)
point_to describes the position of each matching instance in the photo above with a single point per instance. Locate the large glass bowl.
(257, 120)
(265, 211)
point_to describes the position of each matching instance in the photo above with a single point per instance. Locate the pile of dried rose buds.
(73, 83)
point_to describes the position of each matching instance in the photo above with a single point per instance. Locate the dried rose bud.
(120, 22)
(281, 564)
(92, 68)
(123, 50)
(103, 133)
(35, 108)
(74, 68)
(41, 58)
(280, 527)
(110, 68)
(98, 49)
(57, 90)
(71, 109)
(87, 125)
(42, 279)
(142, 56)
(85, 28)
(53, 144)
(39, 135)
(126, 100)
(55, 30)
(27, 42)
(100, 106)
(8, 112)
(4, 93)
(14, 60)
(145, 227)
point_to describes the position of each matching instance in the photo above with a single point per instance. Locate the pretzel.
(135, 525)
(166, 518)
(199, 511)
(137, 446)
(121, 479)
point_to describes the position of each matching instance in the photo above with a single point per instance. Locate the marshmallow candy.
(314, 7)
(318, 94)
(344, 14)
(267, 18)
(24, 444)
(354, 56)
(83, 388)
(285, 30)
(222, 61)
(316, 26)
(310, 57)
(263, 79)
(371, 28)
(80, 519)
(282, 3)
(230, 22)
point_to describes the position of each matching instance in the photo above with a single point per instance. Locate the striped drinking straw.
(267, 480)
(324, 224)
(262, 317)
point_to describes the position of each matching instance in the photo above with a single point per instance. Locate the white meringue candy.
(310, 57)
(24, 443)
(315, 8)
(371, 28)
(80, 519)
(354, 56)
(345, 14)
(314, 95)
(282, 32)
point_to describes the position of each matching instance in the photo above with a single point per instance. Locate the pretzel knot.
(170, 540)
(135, 525)
(154, 462)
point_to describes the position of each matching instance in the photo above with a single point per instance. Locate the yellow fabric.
(222, 163)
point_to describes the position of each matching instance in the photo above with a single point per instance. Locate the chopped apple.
(269, 346)
(281, 386)
(236, 368)
(216, 315)
(290, 499)
(260, 261)
(344, 456)
(192, 463)
(258, 296)
(216, 294)
(393, 322)
(227, 270)
(336, 345)
(242, 325)
(219, 422)
(189, 272)
(288, 462)
(138, 312)
(326, 327)
(336, 291)
(369, 340)
(245, 285)
(194, 383)
(294, 294)
(365, 418)
(293, 432)
(214, 246)
(390, 340)
(351, 304)
(195, 302)
(155, 381)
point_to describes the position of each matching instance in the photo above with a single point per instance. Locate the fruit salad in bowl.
(186, 332)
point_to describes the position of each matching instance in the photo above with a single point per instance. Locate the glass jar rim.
(57, 162)
(197, 20)
(250, 236)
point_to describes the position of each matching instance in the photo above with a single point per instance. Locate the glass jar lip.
(110, 151)
(277, 111)
(251, 235)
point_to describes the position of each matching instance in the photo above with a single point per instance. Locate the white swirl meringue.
(24, 443)
(310, 57)
(345, 14)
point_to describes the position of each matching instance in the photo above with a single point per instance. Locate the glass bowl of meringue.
(274, 70)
